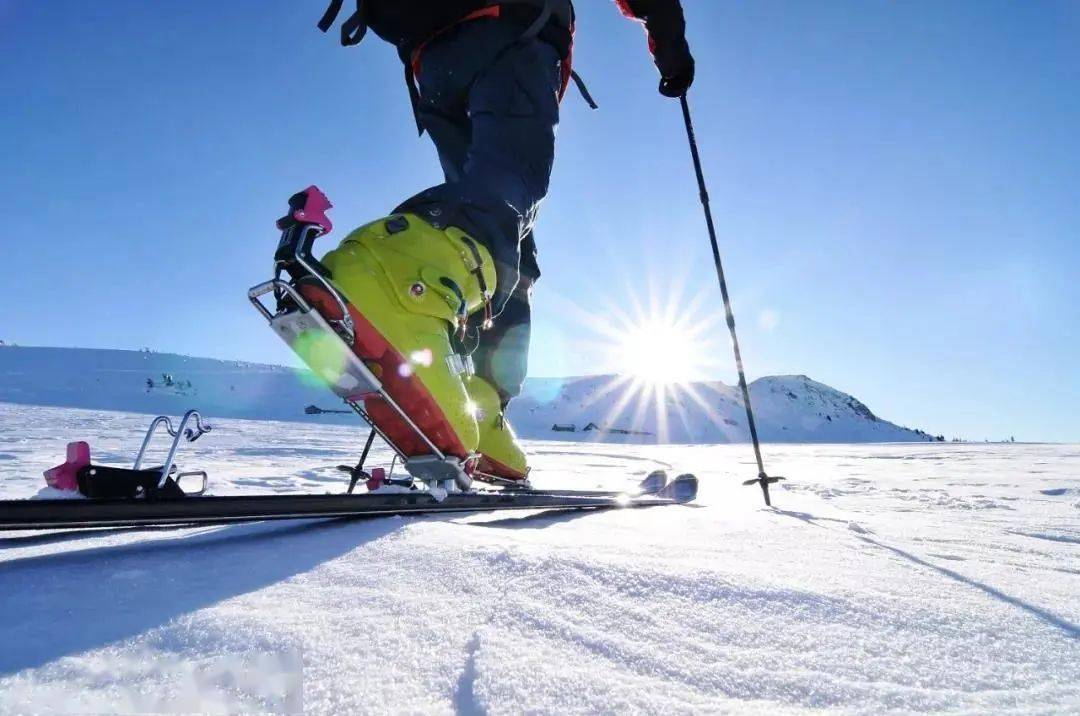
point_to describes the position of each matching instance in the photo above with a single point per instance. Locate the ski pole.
(762, 479)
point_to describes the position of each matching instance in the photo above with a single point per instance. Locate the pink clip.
(377, 479)
(66, 476)
(312, 211)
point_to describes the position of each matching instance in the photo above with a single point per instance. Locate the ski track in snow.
(890, 578)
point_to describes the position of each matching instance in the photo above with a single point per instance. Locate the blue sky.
(895, 184)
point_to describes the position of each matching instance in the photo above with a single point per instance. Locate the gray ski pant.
(489, 101)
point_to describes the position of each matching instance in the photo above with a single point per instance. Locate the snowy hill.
(595, 408)
(118, 380)
(788, 408)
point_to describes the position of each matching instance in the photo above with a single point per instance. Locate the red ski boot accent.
(392, 370)
(490, 466)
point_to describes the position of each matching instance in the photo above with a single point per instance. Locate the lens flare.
(323, 354)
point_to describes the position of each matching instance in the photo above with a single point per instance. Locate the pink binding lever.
(66, 476)
(308, 207)
(377, 479)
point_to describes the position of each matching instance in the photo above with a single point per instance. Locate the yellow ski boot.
(501, 455)
(409, 286)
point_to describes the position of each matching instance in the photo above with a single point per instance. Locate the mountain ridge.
(607, 408)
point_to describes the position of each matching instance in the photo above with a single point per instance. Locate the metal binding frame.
(191, 435)
(308, 234)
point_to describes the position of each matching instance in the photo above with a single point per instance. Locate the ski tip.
(656, 481)
(683, 488)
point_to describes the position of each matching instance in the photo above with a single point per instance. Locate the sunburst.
(658, 345)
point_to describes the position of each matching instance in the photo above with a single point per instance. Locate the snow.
(788, 408)
(890, 578)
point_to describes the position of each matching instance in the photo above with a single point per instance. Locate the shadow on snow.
(67, 603)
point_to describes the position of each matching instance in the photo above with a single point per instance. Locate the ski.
(655, 483)
(201, 510)
(152, 496)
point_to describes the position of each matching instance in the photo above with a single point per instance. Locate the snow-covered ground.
(916, 577)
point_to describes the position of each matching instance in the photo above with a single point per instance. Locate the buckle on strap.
(478, 271)
(460, 364)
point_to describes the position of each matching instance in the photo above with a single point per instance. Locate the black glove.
(667, 34)
(676, 70)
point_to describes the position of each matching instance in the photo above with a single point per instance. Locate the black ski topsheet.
(80, 514)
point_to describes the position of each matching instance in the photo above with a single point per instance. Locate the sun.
(660, 355)
(657, 344)
(656, 337)
(654, 352)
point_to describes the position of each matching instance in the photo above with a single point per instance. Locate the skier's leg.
(512, 103)
(451, 133)
(501, 359)
(502, 353)
(515, 111)
(410, 344)
(497, 98)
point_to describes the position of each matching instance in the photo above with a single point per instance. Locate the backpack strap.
(547, 11)
(355, 26)
(583, 90)
(545, 6)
